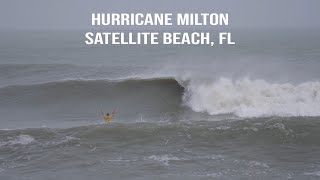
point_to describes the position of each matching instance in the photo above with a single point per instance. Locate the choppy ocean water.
(249, 111)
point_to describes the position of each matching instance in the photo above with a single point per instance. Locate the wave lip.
(254, 98)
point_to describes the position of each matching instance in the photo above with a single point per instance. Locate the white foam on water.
(211, 175)
(121, 159)
(317, 173)
(256, 163)
(282, 128)
(63, 141)
(223, 128)
(164, 159)
(212, 157)
(250, 129)
(21, 139)
(253, 98)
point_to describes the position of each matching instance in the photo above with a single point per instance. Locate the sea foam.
(19, 140)
(253, 98)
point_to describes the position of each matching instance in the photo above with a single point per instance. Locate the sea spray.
(253, 98)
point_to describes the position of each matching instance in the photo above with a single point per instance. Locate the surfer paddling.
(108, 117)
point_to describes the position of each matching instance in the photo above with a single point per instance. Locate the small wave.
(279, 130)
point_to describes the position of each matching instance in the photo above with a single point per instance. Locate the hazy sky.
(76, 14)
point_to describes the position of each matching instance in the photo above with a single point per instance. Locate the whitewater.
(251, 111)
(254, 98)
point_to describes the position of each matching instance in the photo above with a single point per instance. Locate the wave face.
(254, 98)
(79, 90)
(80, 102)
(182, 112)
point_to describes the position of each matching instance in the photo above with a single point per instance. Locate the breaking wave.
(254, 98)
(242, 97)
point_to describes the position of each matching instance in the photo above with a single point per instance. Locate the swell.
(242, 97)
(33, 74)
(256, 131)
(81, 90)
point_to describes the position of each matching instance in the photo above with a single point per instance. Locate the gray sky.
(76, 14)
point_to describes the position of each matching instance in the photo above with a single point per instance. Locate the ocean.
(244, 111)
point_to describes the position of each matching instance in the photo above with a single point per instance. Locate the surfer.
(108, 117)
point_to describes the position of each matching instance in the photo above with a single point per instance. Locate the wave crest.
(253, 98)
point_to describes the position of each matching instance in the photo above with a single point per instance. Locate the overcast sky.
(76, 14)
